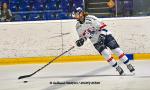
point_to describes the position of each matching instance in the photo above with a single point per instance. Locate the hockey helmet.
(77, 11)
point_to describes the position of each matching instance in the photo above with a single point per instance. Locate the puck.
(25, 81)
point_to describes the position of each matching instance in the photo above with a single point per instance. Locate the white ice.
(75, 72)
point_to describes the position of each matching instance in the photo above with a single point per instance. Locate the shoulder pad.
(91, 17)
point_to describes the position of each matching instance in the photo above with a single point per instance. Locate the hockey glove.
(80, 42)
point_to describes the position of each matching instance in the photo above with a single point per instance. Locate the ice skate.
(130, 67)
(120, 70)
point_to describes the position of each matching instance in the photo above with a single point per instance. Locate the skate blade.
(128, 74)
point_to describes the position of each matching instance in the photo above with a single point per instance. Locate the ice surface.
(100, 72)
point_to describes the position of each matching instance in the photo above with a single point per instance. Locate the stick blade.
(25, 76)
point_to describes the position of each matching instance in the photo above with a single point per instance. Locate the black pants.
(105, 41)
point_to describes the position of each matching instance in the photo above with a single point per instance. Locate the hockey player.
(90, 27)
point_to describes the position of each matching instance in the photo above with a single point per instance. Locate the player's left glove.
(80, 42)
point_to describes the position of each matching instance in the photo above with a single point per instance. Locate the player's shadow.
(77, 78)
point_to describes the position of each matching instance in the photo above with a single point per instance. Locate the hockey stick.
(25, 76)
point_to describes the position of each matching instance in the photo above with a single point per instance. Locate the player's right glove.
(80, 42)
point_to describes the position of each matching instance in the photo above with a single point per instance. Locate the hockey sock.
(121, 55)
(107, 55)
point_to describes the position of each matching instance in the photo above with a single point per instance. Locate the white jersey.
(91, 28)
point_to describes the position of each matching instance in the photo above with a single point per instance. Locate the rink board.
(64, 59)
(41, 41)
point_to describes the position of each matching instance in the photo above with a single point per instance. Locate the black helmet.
(77, 10)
